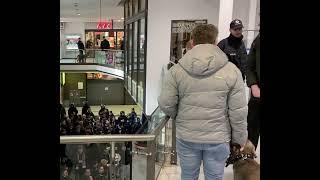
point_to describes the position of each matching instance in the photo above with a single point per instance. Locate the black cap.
(236, 24)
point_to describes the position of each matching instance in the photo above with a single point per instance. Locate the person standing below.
(105, 44)
(233, 46)
(253, 82)
(80, 46)
(205, 94)
(81, 49)
(89, 47)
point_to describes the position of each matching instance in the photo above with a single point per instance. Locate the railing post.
(151, 149)
(173, 144)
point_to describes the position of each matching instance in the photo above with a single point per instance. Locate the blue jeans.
(214, 157)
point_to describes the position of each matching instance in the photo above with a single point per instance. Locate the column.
(225, 17)
(251, 22)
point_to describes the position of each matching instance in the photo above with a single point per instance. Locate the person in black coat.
(234, 47)
(89, 113)
(253, 82)
(80, 46)
(122, 119)
(102, 110)
(105, 44)
(85, 108)
(72, 111)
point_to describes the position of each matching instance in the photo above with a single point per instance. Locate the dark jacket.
(105, 44)
(71, 110)
(236, 52)
(122, 45)
(85, 108)
(253, 68)
(80, 45)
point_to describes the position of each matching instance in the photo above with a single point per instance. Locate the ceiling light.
(119, 20)
(78, 14)
(122, 18)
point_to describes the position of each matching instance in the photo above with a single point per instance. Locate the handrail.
(115, 50)
(83, 139)
(157, 129)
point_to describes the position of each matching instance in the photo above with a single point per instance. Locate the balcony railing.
(128, 156)
(105, 57)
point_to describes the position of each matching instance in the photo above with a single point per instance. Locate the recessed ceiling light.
(119, 20)
(78, 14)
(122, 18)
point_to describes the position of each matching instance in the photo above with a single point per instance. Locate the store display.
(71, 41)
(114, 36)
(180, 37)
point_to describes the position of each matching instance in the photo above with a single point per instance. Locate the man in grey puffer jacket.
(205, 94)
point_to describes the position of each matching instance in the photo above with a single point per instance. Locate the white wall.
(258, 15)
(160, 14)
(225, 17)
(70, 28)
(241, 11)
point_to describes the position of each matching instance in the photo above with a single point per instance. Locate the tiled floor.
(173, 172)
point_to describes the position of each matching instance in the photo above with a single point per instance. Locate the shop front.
(112, 31)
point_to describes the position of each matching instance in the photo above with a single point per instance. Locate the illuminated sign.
(62, 79)
(104, 25)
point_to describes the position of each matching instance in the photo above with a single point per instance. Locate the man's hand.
(242, 147)
(255, 90)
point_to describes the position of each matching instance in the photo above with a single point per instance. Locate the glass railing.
(108, 57)
(122, 156)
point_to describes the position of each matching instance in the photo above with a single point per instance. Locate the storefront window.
(135, 56)
(110, 36)
(135, 51)
(141, 75)
(126, 58)
(135, 6)
(129, 8)
(142, 5)
(130, 58)
(120, 35)
(125, 10)
(93, 38)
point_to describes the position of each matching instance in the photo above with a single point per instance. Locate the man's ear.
(192, 44)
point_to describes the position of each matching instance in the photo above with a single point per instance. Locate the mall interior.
(110, 125)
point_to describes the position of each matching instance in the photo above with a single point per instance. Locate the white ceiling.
(90, 10)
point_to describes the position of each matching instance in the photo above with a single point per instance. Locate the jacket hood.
(203, 59)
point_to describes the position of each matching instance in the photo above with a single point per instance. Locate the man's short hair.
(204, 34)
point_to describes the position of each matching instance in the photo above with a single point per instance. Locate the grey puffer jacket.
(206, 95)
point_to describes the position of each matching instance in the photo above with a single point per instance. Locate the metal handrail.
(115, 50)
(83, 139)
(157, 129)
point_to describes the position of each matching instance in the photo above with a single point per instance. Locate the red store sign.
(104, 25)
